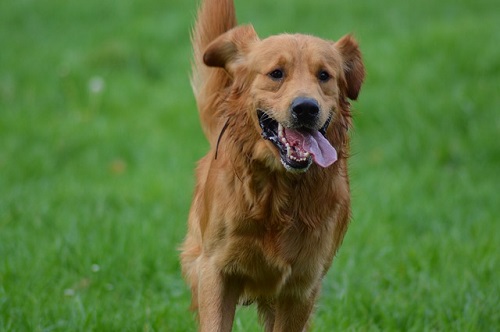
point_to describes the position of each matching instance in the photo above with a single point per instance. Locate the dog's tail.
(214, 18)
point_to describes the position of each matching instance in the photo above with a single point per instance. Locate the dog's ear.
(229, 47)
(354, 69)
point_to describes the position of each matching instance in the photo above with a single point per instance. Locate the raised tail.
(214, 18)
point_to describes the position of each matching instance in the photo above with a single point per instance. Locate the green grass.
(99, 136)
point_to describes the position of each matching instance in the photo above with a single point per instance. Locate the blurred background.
(99, 137)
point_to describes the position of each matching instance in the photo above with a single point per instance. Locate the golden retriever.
(272, 201)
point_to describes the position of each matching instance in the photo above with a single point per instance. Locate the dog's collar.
(220, 136)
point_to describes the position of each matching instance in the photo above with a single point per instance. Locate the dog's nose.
(305, 110)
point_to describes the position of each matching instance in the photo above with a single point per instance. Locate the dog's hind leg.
(266, 314)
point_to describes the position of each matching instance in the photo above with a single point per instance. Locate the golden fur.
(258, 231)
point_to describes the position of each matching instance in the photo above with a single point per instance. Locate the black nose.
(305, 110)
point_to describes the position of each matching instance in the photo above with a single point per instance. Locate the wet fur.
(256, 232)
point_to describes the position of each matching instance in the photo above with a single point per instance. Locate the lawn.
(99, 137)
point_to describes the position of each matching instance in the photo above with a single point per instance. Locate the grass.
(99, 137)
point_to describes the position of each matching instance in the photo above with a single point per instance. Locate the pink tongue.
(324, 154)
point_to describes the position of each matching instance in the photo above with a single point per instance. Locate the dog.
(272, 200)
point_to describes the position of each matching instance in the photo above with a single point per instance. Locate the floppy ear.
(354, 69)
(229, 47)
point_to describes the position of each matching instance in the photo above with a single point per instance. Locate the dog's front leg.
(292, 314)
(217, 299)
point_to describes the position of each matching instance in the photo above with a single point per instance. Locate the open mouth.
(298, 147)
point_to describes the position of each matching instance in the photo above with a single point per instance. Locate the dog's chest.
(272, 261)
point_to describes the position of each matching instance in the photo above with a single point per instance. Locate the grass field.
(99, 136)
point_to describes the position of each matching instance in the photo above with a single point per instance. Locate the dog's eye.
(276, 74)
(323, 76)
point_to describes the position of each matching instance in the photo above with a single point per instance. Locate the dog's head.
(297, 87)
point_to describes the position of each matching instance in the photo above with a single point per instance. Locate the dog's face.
(296, 87)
